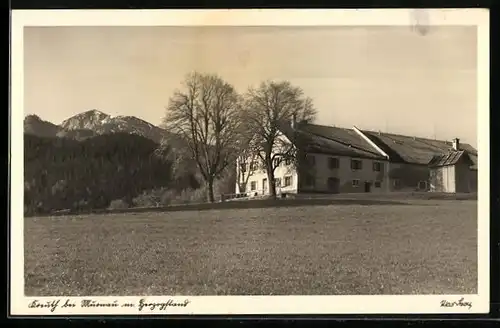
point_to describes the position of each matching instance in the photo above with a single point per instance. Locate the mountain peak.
(32, 117)
(33, 124)
(94, 122)
(86, 120)
(95, 112)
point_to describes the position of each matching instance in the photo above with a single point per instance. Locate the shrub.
(117, 204)
(186, 196)
(195, 195)
(167, 197)
(164, 197)
(150, 198)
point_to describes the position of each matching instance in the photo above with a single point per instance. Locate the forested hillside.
(61, 173)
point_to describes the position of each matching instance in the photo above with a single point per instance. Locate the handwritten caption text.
(142, 305)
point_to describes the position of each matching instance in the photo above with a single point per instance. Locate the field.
(426, 247)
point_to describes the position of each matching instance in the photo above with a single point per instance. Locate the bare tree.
(247, 156)
(206, 115)
(267, 108)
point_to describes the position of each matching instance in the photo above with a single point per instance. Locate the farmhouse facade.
(343, 160)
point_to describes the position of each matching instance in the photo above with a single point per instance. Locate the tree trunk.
(210, 191)
(241, 187)
(241, 181)
(270, 175)
(272, 185)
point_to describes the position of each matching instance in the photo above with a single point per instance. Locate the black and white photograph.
(248, 162)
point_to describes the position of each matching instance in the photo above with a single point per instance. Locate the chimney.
(294, 121)
(456, 144)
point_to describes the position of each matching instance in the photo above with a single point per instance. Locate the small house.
(451, 172)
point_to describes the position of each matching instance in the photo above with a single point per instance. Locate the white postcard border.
(378, 304)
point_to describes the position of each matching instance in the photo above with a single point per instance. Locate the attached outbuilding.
(451, 172)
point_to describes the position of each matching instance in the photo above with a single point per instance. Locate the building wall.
(462, 178)
(473, 180)
(409, 177)
(443, 179)
(321, 172)
(258, 175)
(281, 172)
(449, 178)
(448, 174)
(454, 179)
(392, 177)
(435, 180)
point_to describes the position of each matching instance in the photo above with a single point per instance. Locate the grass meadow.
(426, 247)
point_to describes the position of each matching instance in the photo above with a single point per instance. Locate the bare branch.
(267, 108)
(206, 114)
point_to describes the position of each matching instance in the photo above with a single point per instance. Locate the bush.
(167, 197)
(186, 196)
(164, 197)
(198, 195)
(150, 198)
(117, 204)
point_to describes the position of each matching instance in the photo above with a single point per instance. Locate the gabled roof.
(347, 142)
(329, 140)
(415, 150)
(451, 158)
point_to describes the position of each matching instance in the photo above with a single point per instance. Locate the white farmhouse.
(342, 160)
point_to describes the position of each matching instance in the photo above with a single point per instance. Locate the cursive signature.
(460, 302)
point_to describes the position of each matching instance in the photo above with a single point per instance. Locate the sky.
(389, 79)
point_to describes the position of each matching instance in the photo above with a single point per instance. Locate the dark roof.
(330, 140)
(415, 150)
(451, 158)
(399, 148)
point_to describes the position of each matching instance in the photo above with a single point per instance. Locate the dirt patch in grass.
(418, 249)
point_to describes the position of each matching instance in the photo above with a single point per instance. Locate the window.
(253, 185)
(264, 184)
(277, 182)
(377, 166)
(288, 181)
(356, 164)
(378, 184)
(311, 160)
(333, 163)
(355, 183)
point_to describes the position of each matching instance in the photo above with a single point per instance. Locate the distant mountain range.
(93, 159)
(92, 123)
